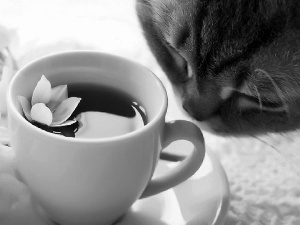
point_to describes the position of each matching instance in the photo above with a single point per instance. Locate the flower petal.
(42, 91)
(65, 110)
(66, 123)
(41, 113)
(58, 94)
(25, 107)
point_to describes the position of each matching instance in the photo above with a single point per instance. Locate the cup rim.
(161, 112)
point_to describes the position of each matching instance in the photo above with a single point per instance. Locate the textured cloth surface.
(263, 173)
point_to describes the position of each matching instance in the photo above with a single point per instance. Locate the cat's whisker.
(259, 98)
(281, 154)
(277, 89)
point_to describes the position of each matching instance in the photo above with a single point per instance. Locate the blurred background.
(263, 172)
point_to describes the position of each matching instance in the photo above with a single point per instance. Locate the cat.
(234, 64)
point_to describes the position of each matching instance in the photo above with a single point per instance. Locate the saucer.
(202, 199)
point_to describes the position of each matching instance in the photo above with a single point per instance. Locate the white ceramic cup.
(95, 181)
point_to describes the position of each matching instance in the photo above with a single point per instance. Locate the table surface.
(263, 172)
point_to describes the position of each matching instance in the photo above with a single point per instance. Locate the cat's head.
(234, 64)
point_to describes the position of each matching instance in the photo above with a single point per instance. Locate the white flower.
(49, 106)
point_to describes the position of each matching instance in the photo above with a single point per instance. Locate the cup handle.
(179, 130)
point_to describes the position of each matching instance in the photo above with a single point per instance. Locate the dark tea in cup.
(102, 112)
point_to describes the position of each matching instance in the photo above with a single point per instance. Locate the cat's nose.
(197, 112)
(201, 100)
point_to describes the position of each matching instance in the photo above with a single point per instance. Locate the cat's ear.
(173, 64)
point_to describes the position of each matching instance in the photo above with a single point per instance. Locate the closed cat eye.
(250, 102)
